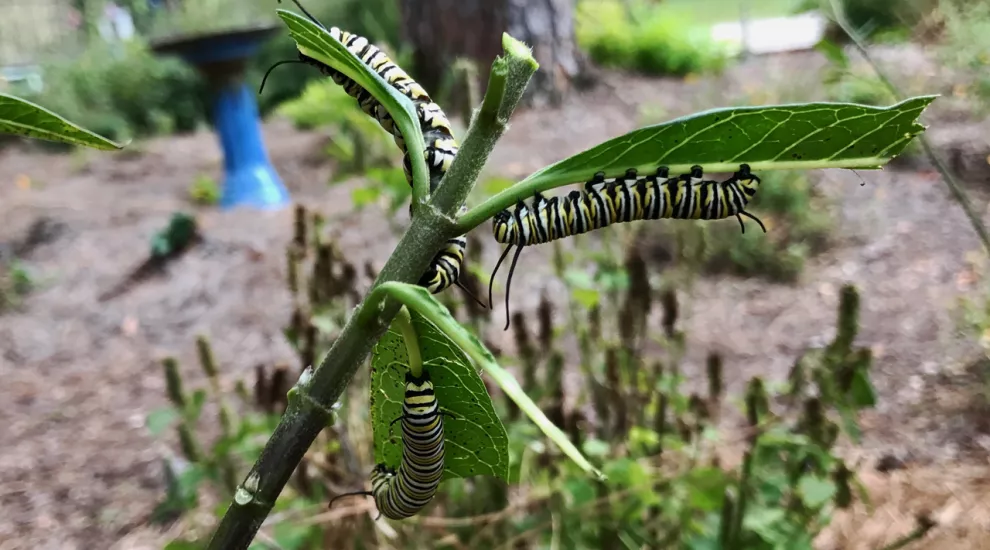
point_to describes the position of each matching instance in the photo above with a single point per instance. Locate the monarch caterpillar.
(603, 202)
(403, 493)
(440, 147)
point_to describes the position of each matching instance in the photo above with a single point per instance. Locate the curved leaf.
(420, 301)
(780, 137)
(475, 439)
(316, 42)
(22, 118)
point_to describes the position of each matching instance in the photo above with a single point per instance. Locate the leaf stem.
(305, 418)
(954, 187)
(403, 321)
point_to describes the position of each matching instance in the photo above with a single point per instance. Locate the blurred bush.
(871, 16)
(966, 45)
(645, 37)
(357, 144)
(124, 91)
(357, 141)
(797, 228)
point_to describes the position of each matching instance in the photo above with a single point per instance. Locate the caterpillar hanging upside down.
(603, 202)
(440, 147)
(403, 493)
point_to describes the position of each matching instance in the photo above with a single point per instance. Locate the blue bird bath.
(249, 178)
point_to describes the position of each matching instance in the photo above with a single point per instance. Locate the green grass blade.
(421, 302)
(23, 118)
(314, 41)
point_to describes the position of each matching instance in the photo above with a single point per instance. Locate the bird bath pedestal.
(249, 178)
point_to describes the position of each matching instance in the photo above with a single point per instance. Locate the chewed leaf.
(475, 439)
(419, 300)
(23, 118)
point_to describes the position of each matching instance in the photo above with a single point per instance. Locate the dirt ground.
(78, 469)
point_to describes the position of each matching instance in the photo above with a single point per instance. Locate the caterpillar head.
(381, 469)
(747, 180)
(503, 227)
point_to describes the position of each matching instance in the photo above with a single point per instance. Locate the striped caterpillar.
(440, 147)
(403, 493)
(603, 202)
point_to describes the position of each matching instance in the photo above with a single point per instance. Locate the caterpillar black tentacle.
(403, 493)
(440, 147)
(602, 202)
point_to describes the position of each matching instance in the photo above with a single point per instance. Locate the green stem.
(403, 321)
(305, 417)
(506, 84)
(957, 192)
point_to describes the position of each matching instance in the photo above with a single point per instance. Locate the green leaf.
(805, 136)
(764, 522)
(316, 42)
(160, 420)
(475, 439)
(419, 300)
(861, 391)
(815, 491)
(195, 407)
(778, 137)
(23, 118)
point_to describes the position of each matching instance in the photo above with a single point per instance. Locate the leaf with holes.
(317, 43)
(23, 118)
(474, 437)
(779, 137)
(419, 301)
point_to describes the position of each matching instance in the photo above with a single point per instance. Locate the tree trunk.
(443, 30)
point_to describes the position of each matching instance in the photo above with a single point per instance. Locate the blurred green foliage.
(123, 91)
(357, 144)
(16, 281)
(881, 16)
(205, 191)
(966, 45)
(660, 443)
(644, 37)
(798, 227)
(208, 16)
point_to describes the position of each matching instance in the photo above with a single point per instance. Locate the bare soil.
(78, 469)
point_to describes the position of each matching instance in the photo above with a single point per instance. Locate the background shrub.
(124, 91)
(647, 38)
